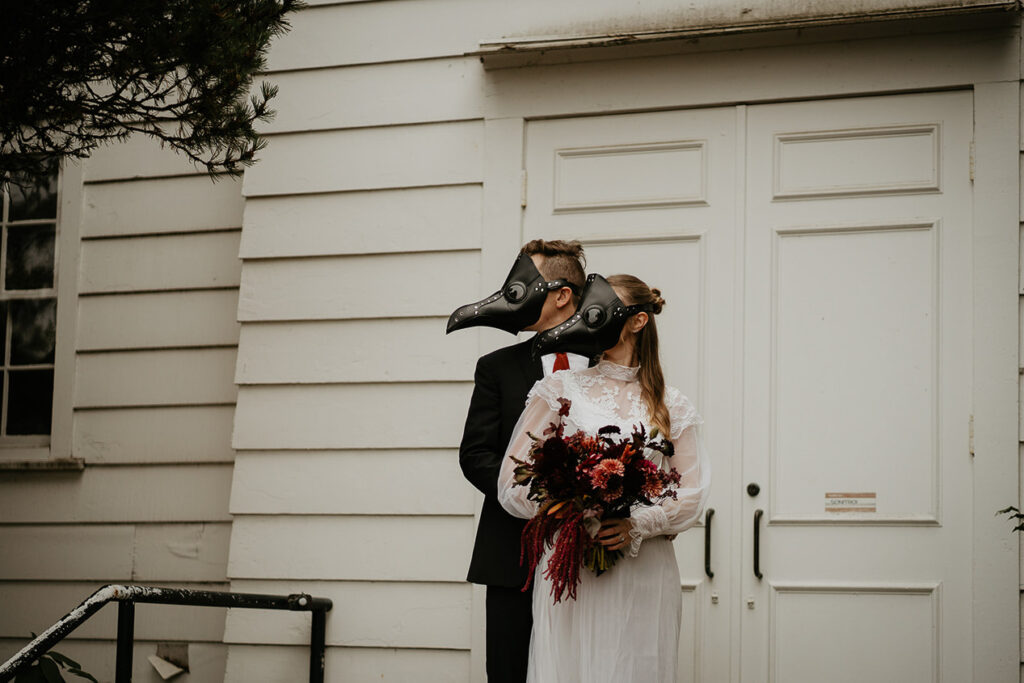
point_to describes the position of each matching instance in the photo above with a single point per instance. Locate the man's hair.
(562, 260)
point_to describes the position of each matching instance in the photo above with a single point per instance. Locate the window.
(28, 309)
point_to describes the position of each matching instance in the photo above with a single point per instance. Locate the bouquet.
(577, 481)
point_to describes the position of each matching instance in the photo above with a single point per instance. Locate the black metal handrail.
(126, 596)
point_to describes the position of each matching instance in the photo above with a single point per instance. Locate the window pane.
(30, 255)
(29, 401)
(3, 333)
(33, 198)
(33, 330)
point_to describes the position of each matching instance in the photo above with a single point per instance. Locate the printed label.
(850, 502)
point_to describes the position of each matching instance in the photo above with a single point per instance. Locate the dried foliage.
(75, 74)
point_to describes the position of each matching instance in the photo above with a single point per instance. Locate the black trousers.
(509, 622)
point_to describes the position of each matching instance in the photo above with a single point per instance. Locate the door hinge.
(970, 436)
(522, 188)
(971, 162)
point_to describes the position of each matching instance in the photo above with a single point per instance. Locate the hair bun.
(658, 302)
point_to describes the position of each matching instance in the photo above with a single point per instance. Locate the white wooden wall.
(153, 406)
(362, 232)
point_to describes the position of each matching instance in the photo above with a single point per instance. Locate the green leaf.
(82, 674)
(50, 670)
(64, 660)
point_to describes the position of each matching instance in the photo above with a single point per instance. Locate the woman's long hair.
(633, 290)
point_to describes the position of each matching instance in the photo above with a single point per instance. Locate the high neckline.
(616, 371)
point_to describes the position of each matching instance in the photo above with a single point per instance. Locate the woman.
(623, 625)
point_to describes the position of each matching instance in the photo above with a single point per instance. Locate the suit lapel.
(531, 367)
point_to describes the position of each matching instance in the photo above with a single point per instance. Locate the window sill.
(55, 465)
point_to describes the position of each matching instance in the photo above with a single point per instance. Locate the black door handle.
(757, 543)
(708, 514)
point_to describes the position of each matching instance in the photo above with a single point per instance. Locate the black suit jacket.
(503, 379)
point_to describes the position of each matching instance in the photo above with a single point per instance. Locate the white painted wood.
(361, 548)
(67, 255)
(824, 319)
(151, 378)
(33, 606)
(181, 552)
(344, 664)
(428, 415)
(207, 661)
(45, 553)
(114, 553)
(385, 350)
(155, 493)
(368, 158)
(133, 264)
(997, 188)
(378, 94)
(379, 221)
(426, 482)
(158, 320)
(379, 32)
(183, 204)
(799, 70)
(139, 157)
(381, 286)
(368, 614)
(154, 435)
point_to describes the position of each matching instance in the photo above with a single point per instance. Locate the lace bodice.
(610, 394)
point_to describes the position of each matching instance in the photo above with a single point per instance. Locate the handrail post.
(125, 641)
(317, 644)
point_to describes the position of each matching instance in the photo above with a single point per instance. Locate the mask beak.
(594, 327)
(516, 305)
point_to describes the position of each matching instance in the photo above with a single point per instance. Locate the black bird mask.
(516, 305)
(594, 327)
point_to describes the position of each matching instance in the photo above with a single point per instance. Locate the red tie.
(561, 362)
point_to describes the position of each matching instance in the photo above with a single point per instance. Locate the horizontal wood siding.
(153, 405)
(361, 233)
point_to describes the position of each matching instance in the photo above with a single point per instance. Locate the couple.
(624, 624)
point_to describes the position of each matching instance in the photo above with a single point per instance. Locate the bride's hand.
(614, 533)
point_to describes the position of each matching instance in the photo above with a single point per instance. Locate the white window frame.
(30, 452)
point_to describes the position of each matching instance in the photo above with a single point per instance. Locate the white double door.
(815, 259)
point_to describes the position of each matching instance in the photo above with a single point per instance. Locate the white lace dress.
(624, 624)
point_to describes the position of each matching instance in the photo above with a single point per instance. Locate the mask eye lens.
(593, 316)
(515, 292)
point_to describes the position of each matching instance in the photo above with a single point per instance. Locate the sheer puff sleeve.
(541, 410)
(673, 516)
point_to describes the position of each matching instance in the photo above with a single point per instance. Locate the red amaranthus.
(577, 481)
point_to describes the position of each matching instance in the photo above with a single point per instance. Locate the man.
(502, 380)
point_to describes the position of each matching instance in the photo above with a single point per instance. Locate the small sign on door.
(850, 502)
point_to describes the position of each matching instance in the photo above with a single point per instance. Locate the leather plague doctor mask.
(594, 327)
(516, 305)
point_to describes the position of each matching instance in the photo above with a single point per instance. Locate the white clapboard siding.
(151, 378)
(354, 548)
(181, 552)
(207, 661)
(190, 261)
(156, 493)
(365, 614)
(101, 552)
(379, 32)
(419, 415)
(378, 221)
(114, 552)
(368, 158)
(426, 482)
(183, 204)
(248, 663)
(378, 94)
(381, 286)
(139, 157)
(154, 435)
(35, 605)
(386, 350)
(158, 320)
